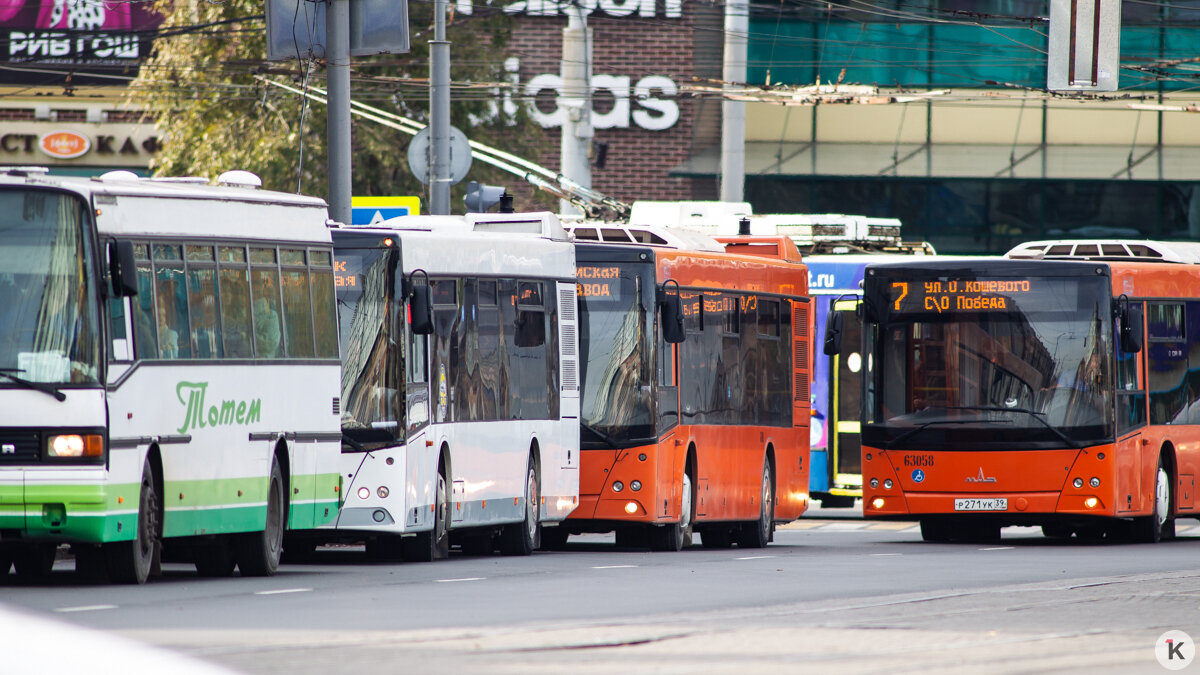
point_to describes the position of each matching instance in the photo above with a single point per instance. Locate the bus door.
(845, 383)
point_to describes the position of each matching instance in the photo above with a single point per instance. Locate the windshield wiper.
(892, 443)
(37, 386)
(1032, 413)
(598, 434)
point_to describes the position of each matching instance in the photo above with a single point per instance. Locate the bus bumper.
(66, 505)
(1017, 505)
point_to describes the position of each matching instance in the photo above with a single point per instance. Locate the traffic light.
(480, 198)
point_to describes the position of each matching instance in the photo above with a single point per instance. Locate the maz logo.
(981, 478)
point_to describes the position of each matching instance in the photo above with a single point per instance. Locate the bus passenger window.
(268, 333)
(202, 301)
(324, 304)
(297, 309)
(235, 311)
(144, 326)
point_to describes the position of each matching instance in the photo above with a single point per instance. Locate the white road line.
(755, 557)
(884, 555)
(452, 581)
(85, 608)
(611, 567)
(998, 548)
(284, 590)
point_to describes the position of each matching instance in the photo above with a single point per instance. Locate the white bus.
(459, 382)
(168, 372)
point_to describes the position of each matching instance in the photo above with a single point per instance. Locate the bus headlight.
(1078, 483)
(887, 484)
(382, 492)
(1094, 482)
(618, 486)
(874, 482)
(363, 492)
(75, 445)
(635, 485)
(631, 508)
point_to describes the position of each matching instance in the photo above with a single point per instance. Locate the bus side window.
(324, 303)
(297, 304)
(202, 302)
(234, 279)
(172, 311)
(145, 330)
(116, 329)
(264, 290)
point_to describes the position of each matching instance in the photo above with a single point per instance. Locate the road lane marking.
(998, 548)
(755, 557)
(611, 567)
(85, 608)
(284, 590)
(451, 581)
(882, 555)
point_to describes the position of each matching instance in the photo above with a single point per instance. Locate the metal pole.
(733, 113)
(575, 100)
(439, 114)
(337, 60)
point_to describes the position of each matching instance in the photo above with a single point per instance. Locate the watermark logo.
(1175, 650)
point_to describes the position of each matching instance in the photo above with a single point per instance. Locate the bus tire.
(676, 536)
(129, 562)
(757, 534)
(258, 553)
(1158, 525)
(524, 538)
(434, 544)
(214, 560)
(35, 561)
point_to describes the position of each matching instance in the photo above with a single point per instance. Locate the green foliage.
(202, 84)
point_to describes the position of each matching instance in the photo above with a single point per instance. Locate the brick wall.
(638, 160)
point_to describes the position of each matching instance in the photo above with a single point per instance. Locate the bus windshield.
(49, 299)
(1033, 366)
(372, 364)
(615, 352)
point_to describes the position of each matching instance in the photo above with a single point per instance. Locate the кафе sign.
(55, 143)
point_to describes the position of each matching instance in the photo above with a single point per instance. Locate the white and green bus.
(460, 383)
(169, 373)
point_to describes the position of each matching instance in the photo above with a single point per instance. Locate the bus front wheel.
(1159, 524)
(434, 544)
(757, 534)
(129, 562)
(676, 536)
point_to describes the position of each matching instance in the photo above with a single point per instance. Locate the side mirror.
(833, 333)
(670, 310)
(122, 269)
(1131, 329)
(420, 305)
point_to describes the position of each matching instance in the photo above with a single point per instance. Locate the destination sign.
(342, 276)
(600, 282)
(956, 295)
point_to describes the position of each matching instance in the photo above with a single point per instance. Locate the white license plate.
(995, 504)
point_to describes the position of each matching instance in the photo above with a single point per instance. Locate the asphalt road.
(829, 593)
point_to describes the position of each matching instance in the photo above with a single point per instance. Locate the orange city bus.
(694, 371)
(1059, 387)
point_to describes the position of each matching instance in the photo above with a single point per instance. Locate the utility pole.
(439, 114)
(576, 102)
(337, 61)
(733, 113)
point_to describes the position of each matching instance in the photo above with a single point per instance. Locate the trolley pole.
(337, 59)
(439, 114)
(576, 103)
(733, 113)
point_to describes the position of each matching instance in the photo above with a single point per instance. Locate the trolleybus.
(695, 365)
(460, 397)
(1055, 388)
(168, 372)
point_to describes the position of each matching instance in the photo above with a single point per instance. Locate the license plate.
(995, 504)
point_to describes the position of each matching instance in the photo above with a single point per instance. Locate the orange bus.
(694, 371)
(1059, 387)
